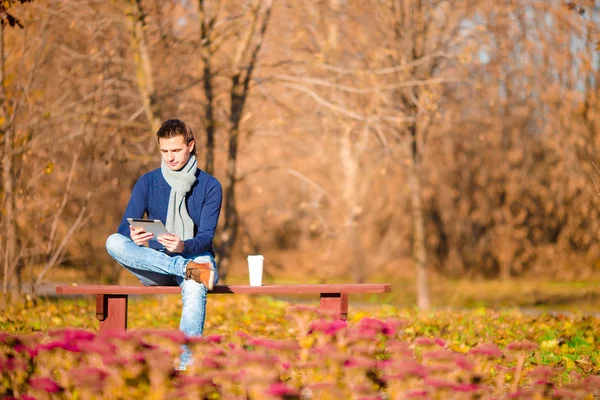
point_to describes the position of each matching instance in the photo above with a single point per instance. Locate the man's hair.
(175, 127)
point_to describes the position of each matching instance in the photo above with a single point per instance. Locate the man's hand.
(171, 243)
(139, 235)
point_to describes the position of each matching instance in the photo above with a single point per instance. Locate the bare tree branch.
(377, 89)
(309, 181)
(60, 249)
(386, 70)
(65, 198)
(343, 110)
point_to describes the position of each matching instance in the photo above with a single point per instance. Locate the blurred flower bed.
(260, 348)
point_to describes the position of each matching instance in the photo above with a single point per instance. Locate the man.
(188, 202)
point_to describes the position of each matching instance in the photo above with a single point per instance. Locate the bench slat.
(230, 289)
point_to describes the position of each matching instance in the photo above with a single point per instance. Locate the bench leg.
(111, 311)
(336, 303)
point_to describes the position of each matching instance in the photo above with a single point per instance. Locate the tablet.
(150, 225)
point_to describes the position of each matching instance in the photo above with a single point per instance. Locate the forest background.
(355, 140)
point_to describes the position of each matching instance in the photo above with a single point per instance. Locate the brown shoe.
(202, 273)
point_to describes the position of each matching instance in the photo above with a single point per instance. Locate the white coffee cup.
(255, 269)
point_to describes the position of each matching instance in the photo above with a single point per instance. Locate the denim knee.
(115, 243)
(191, 289)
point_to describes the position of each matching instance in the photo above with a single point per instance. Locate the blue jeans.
(156, 268)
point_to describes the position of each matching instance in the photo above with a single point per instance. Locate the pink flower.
(381, 364)
(440, 368)
(211, 363)
(489, 350)
(257, 357)
(32, 351)
(463, 363)
(523, 345)
(194, 380)
(91, 377)
(425, 341)
(281, 389)
(521, 393)
(214, 338)
(121, 335)
(542, 382)
(405, 369)
(542, 373)
(64, 344)
(6, 337)
(139, 357)
(371, 324)
(326, 351)
(392, 325)
(360, 362)
(592, 382)
(417, 393)
(174, 335)
(327, 327)
(564, 394)
(215, 352)
(232, 376)
(439, 355)
(50, 345)
(574, 377)
(72, 334)
(12, 363)
(19, 347)
(147, 346)
(114, 360)
(466, 387)
(370, 327)
(78, 334)
(243, 335)
(45, 384)
(274, 344)
(204, 339)
(437, 383)
(97, 346)
(399, 349)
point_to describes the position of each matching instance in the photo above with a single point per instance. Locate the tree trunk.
(419, 250)
(9, 245)
(229, 232)
(143, 67)
(350, 165)
(230, 228)
(205, 50)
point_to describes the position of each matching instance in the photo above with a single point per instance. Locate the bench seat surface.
(230, 289)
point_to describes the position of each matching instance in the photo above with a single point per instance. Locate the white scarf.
(179, 222)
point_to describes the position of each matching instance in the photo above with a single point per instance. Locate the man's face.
(175, 152)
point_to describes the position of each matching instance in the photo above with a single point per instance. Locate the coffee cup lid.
(256, 256)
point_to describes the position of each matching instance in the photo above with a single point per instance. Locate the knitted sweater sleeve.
(211, 208)
(137, 205)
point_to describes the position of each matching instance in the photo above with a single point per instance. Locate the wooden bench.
(111, 300)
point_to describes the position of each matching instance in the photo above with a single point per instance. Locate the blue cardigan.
(150, 196)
